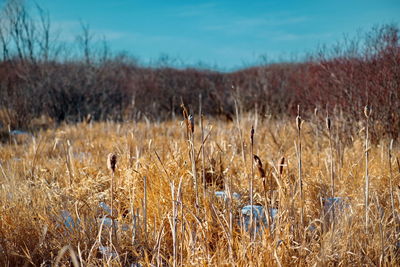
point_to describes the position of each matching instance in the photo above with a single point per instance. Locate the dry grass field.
(55, 195)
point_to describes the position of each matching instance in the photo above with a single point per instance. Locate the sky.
(221, 34)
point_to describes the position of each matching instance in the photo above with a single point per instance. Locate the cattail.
(88, 118)
(260, 168)
(299, 122)
(367, 111)
(191, 123)
(252, 134)
(328, 123)
(111, 162)
(281, 164)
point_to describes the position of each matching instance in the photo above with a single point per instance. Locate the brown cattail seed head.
(252, 134)
(111, 162)
(88, 118)
(328, 123)
(367, 111)
(191, 123)
(281, 164)
(260, 168)
(298, 122)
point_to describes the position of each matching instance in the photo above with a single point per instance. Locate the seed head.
(367, 111)
(89, 118)
(328, 123)
(298, 122)
(281, 164)
(252, 134)
(260, 168)
(191, 123)
(111, 162)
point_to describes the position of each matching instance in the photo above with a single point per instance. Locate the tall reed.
(328, 127)
(145, 204)
(251, 183)
(262, 174)
(391, 178)
(367, 113)
(203, 170)
(189, 121)
(111, 165)
(193, 159)
(299, 123)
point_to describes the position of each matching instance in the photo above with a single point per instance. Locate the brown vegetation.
(160, 218)
(37, 79)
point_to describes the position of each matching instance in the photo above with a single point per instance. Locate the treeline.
(42, 77)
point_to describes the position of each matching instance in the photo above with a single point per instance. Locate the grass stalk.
(263, 176)
(203, 170)
(367, 113)
(329, 128)
(193, 160)
(145, 204)
(299, 123)
(240, 132)
(251, 186)
(391, 178)
(111, 164)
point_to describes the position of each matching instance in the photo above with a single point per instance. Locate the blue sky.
(229, 34)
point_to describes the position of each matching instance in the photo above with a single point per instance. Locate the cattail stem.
(251, 185)
(112, 194)
(263, 176)
(328, 125)
(266, 204)
(112, 210)
(298, 124)
(203, 171)
(111, 164)
(145, 204)
(317, 134)
(391, 179)
(228, 186)
(366, 113)
(173, 223)
(193, 159)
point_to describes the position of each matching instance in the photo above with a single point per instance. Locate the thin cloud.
(244, 25)
(195, 10)
(285, 36)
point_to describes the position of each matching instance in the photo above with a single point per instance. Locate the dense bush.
(35, 80)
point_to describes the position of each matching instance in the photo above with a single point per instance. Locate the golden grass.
(65, 170)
